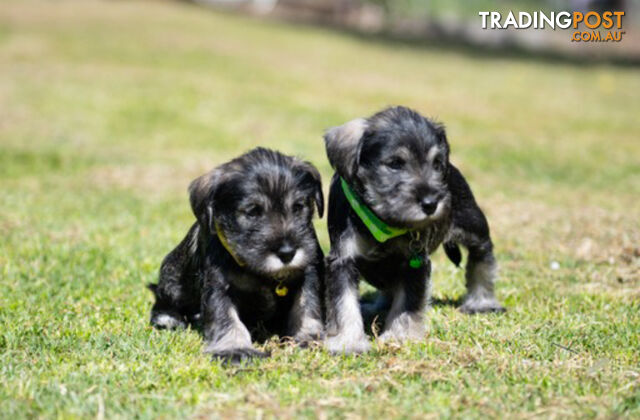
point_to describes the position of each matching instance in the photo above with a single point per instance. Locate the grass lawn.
(109, 109)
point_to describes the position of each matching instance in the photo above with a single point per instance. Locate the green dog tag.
(415, 261)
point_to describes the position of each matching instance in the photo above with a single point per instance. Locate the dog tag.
(281, 290)
(415, 261)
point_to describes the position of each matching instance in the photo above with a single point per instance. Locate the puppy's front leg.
(405, 321)
(226, 337)
(345, 328)
(305, 319)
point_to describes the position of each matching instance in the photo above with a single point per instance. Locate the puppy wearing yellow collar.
(251, 264)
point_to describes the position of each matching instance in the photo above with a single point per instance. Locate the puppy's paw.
(406, 326)
(473, 305)
(168, 321)
(304, 340)
(346, 344)
(397, 335)
(237, 356)
(311, 331)
(391, 337)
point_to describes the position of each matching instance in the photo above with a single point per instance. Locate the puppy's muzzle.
(284, 257)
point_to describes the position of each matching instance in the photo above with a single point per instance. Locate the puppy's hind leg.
(470, 229)
(481, 271)
(163, 315)
(171, 292)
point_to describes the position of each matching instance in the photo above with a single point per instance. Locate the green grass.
(109, 109)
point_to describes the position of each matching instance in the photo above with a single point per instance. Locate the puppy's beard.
(275, 267)
(440, 210)
(413, 215)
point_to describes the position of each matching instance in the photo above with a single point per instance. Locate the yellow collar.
(225, 244)
(281, 290)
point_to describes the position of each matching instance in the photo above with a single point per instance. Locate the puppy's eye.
(253, 212)
(297, 207)
(438, 164)
(395, 163)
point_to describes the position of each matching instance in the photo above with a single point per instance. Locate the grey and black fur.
(397, 162)
(263, 203)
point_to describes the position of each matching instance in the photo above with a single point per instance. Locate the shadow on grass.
(374, 321)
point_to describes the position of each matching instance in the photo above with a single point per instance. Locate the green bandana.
(382, 231)
(379, 229)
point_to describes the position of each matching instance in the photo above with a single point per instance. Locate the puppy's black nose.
(429, 205)
(286, 253)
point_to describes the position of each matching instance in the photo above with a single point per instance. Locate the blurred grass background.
(109, 109)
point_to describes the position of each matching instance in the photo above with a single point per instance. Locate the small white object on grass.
(555, 265)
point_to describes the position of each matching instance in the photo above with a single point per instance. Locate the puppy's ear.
(443, 142)
(313, 178)
(441, 136)
(201, 191)
(342, 145)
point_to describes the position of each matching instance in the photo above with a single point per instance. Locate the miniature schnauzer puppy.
(251, 260)
(394, 198)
